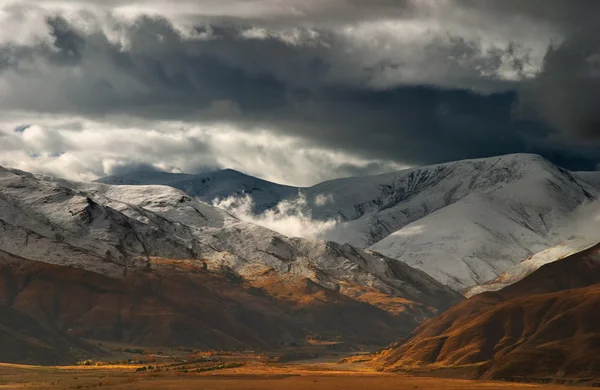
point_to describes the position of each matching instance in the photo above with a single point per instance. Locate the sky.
(295, 92)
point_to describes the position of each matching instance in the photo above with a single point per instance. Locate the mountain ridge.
(398, 213)
(128, 236)
(208, 186)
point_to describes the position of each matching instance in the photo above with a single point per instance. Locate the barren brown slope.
(23, 339)
(548, 324)
(179, 303)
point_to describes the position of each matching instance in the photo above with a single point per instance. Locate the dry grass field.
(243, 375)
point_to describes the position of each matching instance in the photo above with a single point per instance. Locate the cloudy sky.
(295, 91)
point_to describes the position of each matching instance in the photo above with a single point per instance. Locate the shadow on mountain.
(545, 326)
(174, 303)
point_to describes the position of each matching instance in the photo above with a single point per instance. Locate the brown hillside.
(178, 303)
(546, 325)
(25, 340)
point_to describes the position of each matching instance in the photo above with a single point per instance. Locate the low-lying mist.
(290, 217)
(584, 223)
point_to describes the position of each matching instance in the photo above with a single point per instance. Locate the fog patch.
(322, 199)
(584, 223)
(290, 217)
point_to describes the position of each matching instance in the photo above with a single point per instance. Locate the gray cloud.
(566, 93)
(561, 16)
(360, 87)
(272, 11)
(153, 69)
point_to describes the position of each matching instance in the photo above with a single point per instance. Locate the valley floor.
(251, 375)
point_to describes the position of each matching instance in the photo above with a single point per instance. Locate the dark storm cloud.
(566, 16)
(67, 42)
(267, 82)
(566, 93)
(160, 76)
(406, 93)
(174, 75)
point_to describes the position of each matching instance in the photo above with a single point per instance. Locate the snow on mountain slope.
(533, 263)
(246, 248)
(165, 201)
(145, 177)
(590, 177)
(208, 186)
(470, 241)
(582, 231)
(467, 222)
(45, 221)
(110, 229)
(494, 212)
(373, 207)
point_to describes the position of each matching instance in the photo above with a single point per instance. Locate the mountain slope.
(531, 264)
(151, 249)
(180, 303)
(464, 222)
(26, 340)
(590, 177)
(376, 206)
(208, 186)
(466, 243)
(242, 246)
(546, 325)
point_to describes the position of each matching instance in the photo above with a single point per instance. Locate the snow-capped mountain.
(467, 242)
(463, 222)
(112, 230)
(373, 207)
(208, 186)
(590, 177)
(471, 220)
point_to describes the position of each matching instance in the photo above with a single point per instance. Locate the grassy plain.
(235, 371)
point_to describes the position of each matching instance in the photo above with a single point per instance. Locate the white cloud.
(291, 217)
(322, 199)
(81, 149)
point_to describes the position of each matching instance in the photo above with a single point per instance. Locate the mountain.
(26, 340)
(208, 186)
(178, 303)
(373, 207)
(150, 264)
(464, 223)
(590, 177)
(544, 327)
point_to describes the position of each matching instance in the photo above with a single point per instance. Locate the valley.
(293, 194)
(241, 371)
(89, 270)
